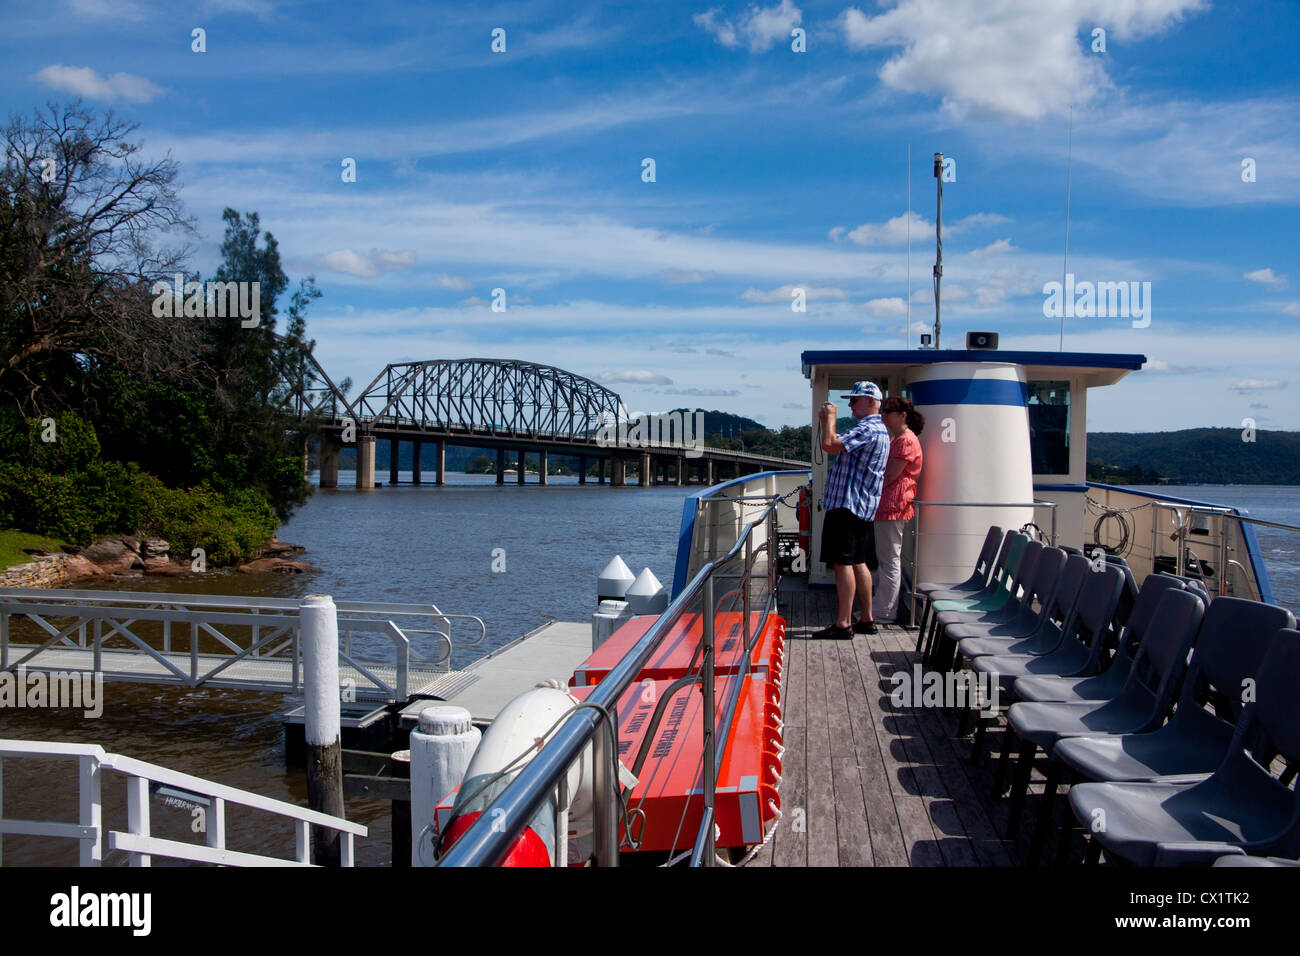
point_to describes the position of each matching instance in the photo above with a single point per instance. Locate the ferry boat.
(737, 739)
(824, 749)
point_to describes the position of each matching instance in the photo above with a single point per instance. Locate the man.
(853, 485)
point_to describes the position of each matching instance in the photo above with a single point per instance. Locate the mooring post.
(318, 619)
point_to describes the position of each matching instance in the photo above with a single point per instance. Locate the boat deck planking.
(869, 783)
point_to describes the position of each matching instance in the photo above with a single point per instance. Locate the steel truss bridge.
(511, 406)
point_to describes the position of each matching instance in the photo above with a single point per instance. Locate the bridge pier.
(708, 472)
(582, 469)
(681, 469)
(394, 446)
(600, 471)
(365, 462)
(521, 474)
(501, 466)
(617, 472)
(646, 464)
(439, 462)
(329, 462)
(541, 467)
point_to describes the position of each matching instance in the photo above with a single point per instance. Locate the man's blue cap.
(865, 388)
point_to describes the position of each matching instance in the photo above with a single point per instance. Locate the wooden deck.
(866, 783)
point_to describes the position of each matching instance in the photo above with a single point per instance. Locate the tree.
(80, 214)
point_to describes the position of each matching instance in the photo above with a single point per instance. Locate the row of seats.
(1171, 716)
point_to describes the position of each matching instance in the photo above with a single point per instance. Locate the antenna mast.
(1065, 266)
(938, 242)
(909, 246)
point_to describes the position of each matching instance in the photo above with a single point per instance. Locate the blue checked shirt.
(857, 475)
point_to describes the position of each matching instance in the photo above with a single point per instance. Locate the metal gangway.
(92, 832)
(387, 652)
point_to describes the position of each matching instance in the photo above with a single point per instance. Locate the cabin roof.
(1096, 368)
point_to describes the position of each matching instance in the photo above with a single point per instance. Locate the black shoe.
(864, 627)
(838, 633)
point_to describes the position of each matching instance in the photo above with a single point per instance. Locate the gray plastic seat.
(1020, 604)
(1141, 704)
(1234, 638)
(1107, 684)
(991, 598)
(978, 579)
(1241, 806)
(1082, 637)
(1046, 636)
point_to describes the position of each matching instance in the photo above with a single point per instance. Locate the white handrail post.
(137, 815)
(301, 832)
(320, 637)
(215, 825)
(90, 811)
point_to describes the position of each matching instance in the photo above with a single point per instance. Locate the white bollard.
(441, 749)
(318, 621)
(613, 582)
(647, 595)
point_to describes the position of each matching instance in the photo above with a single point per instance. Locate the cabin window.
(1049, 427)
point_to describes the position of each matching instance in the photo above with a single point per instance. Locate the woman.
(901, 471)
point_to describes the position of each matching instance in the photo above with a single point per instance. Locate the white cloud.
(702, 392)
(368, 267)
(893, 232)
(757, 28)
(638, 376)
(786, 294)
(886, 308)
(1016, 59)
(453, 283)
(83, 81)
(1265, 276)
(1291, 308)
(1256, 385)
(997, 247)
(686, 276)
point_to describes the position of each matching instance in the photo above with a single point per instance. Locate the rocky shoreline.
(127, 556)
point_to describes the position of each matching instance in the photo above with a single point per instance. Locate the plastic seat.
(1046, 635)
(1242, 806)
(1020, 604)
(992, 597)
(1082, 637)
(1141, 704)
(1107, 684)
(978, 579)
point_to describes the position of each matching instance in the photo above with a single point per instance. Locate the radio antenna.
(909, 246)
(1065, 266)
(938, 242)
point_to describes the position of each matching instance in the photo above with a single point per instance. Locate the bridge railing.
(225, 641)
(137, 839)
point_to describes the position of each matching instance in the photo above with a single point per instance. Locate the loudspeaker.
(981, 340)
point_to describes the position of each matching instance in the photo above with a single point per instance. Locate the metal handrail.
(1225, 562)
(489, 838)
(916, 520)
(90, 829)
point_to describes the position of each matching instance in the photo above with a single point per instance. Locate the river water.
(408, 544)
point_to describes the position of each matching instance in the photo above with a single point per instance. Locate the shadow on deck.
(868, 783)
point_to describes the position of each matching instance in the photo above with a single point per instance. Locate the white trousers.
(889, 576)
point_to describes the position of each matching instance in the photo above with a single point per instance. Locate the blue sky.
(774, 169)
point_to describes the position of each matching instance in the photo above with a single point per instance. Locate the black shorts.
(848, 539)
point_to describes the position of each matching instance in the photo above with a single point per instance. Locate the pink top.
(896, 499)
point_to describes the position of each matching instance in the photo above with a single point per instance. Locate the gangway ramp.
(387, 651)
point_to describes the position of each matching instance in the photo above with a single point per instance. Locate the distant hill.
(1216, 456)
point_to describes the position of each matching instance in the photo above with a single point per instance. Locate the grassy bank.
(13, 542)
